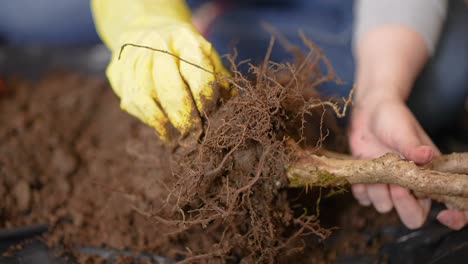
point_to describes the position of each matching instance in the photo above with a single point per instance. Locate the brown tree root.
(231, 184)
(455, 163)
(437, 180)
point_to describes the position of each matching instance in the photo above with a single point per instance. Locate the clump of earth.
(70, 158)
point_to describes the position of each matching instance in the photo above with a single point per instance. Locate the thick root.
(453, 202)
(448, 187)
(454, 163)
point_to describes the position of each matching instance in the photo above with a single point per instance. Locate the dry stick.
(430, 180)
(454, 163)
(314, 170)
(162, 51)
(453, 202)
(199, 258)
(340, 113)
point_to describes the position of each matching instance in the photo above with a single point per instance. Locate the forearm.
(388, 60)
(392, 41)
(112, 17)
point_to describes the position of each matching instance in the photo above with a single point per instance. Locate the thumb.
(412, 147)
(421, 154)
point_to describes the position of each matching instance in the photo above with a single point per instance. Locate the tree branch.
(436, 180)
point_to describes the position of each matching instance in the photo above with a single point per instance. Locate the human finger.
(380, 197)
(421, 155)
(409, 143)
(199, 73)
(136, 91)
(453, 219)
(412, 212)
(173, 93)
(365, 145)
(360, 193)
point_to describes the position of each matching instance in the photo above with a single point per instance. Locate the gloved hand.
(157, 87)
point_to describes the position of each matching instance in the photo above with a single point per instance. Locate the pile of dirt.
(69, 157)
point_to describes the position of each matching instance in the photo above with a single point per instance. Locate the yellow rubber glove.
(156, 87)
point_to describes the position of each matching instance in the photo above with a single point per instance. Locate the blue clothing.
(328, 23)
(47, 22)
(437, 97)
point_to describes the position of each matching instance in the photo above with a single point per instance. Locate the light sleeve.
(426, 17)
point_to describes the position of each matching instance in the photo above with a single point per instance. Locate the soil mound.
(69, 157)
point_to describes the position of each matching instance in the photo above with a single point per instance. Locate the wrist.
(376, 93)
(377, 80)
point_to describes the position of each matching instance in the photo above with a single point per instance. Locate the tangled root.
(232, 183)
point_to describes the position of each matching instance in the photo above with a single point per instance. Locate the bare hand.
(383, 125)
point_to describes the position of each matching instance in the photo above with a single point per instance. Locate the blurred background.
(37, 36)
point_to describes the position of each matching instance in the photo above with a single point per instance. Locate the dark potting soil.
(71, 159)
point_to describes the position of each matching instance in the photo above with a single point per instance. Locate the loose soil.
(69, 157)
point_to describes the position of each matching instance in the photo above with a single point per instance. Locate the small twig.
(198, 258)
(165, 52)
(339, 112)
(321, 138)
